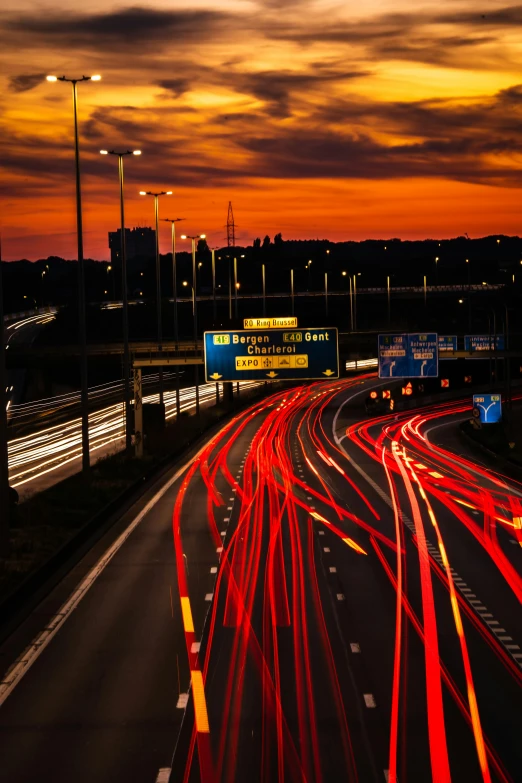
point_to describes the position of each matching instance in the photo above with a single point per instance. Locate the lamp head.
(202, 236)
(136, 152)
(183, 236)
(143, 193)
(104, 152)
(52, 78)
(96, 78)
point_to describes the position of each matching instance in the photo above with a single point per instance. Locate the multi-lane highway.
(51, 453)
(312, 596)
(22, 332)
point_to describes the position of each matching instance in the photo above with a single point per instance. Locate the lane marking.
(186, 611)
(200, 702)
(194, 647)
(340, 597)
(182, 701)
(355, 647)
(326, 548)
(209, 596)
(333, 570)
(219, 550)
(213, 570)
(40, 642)
(164, 775)
(321, 532)
(369, 700)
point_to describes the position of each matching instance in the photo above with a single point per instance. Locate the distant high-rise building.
(138, 241)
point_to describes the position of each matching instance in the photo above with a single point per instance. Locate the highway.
(22, 332)
(312, 596)
(51, 453)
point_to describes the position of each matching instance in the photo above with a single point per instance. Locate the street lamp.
(81, 270)
(236, 285)
(173, 222)
(33, 300)
(193, 238)
(436, 270)
(158, 276)
(124, 299)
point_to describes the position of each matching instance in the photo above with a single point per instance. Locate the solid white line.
(38, 645)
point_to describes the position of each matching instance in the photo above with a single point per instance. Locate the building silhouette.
(140, 242)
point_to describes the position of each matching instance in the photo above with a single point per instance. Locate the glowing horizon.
(317, 121)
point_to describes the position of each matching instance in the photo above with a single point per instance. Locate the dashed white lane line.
(226, 519)
(434, 552)
(369, 700)
(223, 533)
(164, 775)
(326, 548)
(231, 499)
(213, 570)
(340, 597)
(333, 570)
(321, 532)
(209, 596)
(355, 647)
(219, 550)
(229, 508)
(182, 701)
(194, 647)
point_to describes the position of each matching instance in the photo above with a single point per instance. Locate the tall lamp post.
(84, 395)
(236, 286)
(173, 222)
(214, 304)
(264, 288)
(124, 299)
(326, 293)
(158, 276)
(194, 305)
(5, 506)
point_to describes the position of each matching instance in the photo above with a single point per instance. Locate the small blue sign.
(408, 356)
(447, 342)
(393, 356)
(274, 354)
(483, 342)
(489, 407)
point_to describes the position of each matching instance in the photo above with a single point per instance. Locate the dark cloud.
(136, 28)
(25, 81)
(277, 88)
(175, 86)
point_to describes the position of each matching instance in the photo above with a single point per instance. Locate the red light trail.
(270, 646)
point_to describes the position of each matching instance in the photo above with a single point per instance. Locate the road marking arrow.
(272, 374)
(328, 373)
(215, 377)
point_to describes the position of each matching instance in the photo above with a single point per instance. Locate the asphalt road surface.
(314, 596)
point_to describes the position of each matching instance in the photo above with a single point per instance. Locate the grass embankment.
(48, 521)
(503, 438)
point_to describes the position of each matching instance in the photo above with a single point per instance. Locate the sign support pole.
(138, 414)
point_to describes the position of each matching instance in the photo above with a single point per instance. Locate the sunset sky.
(338, 120)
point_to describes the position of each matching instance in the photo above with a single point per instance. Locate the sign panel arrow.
(215, 377)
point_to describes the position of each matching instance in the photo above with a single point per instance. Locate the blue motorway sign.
(483, 342)
(282, 354)
(408, 356)
(489, 407)
(447, 342)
